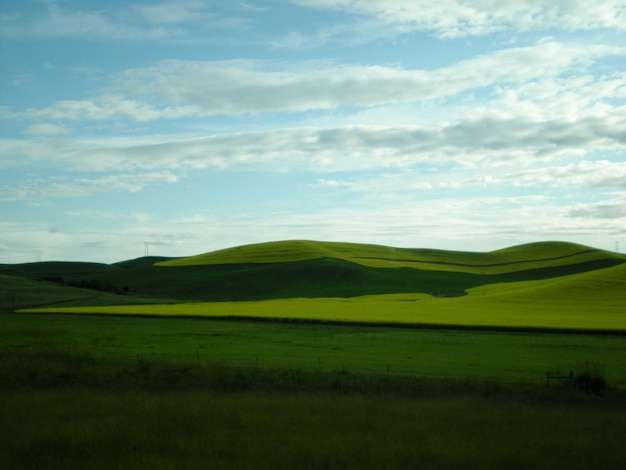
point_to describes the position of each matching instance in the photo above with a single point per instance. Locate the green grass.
(18, 292)
(293, 269)
(592, 300)
(505, 357)
(119, 391)
(76, 411)
(518, 258)
(95, 429)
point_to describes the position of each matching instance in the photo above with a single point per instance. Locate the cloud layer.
(457, 18)
(199, 125)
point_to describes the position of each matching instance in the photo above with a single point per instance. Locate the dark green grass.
(18, 292)
(75, 411)
(110, 392)
(157, 430)
(294, 269)
(366, 349)
(308, 278)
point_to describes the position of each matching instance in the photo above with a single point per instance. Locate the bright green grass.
(530, 256)
(594, 300)
(513, 357)
(335, 270)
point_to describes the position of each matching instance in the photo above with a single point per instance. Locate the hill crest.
(302, 268)
(516, 258)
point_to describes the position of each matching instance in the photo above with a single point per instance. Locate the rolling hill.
(587, 302)
(518, 258)
(313, 269)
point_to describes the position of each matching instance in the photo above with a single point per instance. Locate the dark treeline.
(92, 284)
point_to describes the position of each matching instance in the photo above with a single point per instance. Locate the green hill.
(298, 268)
(17, 292)
(591, 301)
(601, 287)
(518, 258)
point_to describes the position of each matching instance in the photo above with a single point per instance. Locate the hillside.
(18, 292)
(292, 269)
(592, 301)
(518, 258)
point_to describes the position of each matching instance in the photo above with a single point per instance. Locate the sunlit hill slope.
(313, 269)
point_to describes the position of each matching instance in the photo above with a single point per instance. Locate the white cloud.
(245, 86)
(488, 142)
(46, 129)
(584, 174)
(393, 152)
(169, 20)
(61, 22)
(527, 76)
(40, 188)
(111, 106)
(459, 18)
(415, 182)
(613, 210)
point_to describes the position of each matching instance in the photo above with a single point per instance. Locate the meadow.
(96, 429)
(297, 269)
(316, 355)
(589, 301)
(109, 391)
(490, 355)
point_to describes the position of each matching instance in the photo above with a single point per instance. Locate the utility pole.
(146, 248)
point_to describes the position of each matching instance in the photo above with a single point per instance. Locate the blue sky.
(203, 124)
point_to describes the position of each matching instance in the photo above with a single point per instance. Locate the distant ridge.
(516, 258)
(315, 269)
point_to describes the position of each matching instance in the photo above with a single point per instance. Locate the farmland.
(359, 356)
(592, 300)
(510, 357)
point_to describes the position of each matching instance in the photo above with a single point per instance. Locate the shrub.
(589, 377)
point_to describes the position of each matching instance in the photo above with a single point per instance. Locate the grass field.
(98, 429)
(294, 269)
(509, 357)
(317, 355)
(593, 300)
(74, 410)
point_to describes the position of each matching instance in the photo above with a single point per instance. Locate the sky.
(181, 127)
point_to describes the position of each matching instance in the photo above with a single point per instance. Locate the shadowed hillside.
(313, 269)
(523, 257)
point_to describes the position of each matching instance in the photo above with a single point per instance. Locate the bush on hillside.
(589, 377)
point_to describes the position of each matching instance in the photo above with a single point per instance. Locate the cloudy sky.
(196, 125)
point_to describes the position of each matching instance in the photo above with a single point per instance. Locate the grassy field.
(192, 430)
(350, 356)
(17, 292)
(594, 300)
(63, 410)
(293, 269)
(507, 357)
